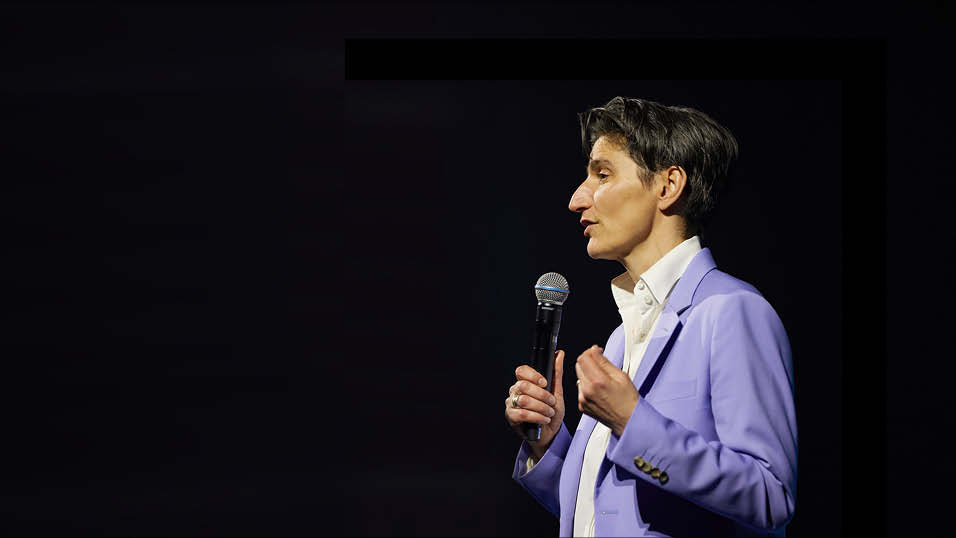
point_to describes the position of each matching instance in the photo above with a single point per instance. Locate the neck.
(649, 251)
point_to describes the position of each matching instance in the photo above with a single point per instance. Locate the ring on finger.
(514, 401)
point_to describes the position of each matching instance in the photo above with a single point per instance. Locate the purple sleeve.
(749, 474)
(543, 479)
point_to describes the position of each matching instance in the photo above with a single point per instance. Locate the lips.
(587, 225)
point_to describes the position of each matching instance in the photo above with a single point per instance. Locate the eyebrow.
(594, 164)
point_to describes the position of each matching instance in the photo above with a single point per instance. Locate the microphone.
(551, 290)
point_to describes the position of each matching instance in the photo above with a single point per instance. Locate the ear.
(672, 183)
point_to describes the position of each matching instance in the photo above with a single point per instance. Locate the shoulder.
(717, 282)
(720, 295)
(738, 326)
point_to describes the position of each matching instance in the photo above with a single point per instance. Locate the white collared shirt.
(640, 305)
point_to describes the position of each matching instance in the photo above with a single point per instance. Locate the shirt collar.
(660, 277)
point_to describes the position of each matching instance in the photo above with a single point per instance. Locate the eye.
(603, 177)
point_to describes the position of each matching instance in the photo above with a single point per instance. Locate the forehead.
(608, 149)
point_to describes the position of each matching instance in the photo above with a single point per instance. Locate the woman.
(688, 424)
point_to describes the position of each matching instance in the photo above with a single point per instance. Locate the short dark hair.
(657, 136)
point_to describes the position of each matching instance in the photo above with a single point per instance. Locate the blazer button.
(646, 467)
(638, 462)
(655, 473)
(663, 478)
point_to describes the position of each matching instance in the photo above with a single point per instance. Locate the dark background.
(245, 297)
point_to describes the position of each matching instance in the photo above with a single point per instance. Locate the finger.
(581, 398)
(608, 370)
(515, 416)
(526, 388)
(559, 375)
(596, 352)
(582, 379)
(526, 372)
(586, 367)
(531, 404)
(597, 355)
(599, 362)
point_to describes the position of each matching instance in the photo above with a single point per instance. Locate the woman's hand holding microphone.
(529, 401)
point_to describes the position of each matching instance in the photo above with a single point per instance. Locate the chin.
(595, 251)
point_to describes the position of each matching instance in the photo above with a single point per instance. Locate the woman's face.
(616, 207)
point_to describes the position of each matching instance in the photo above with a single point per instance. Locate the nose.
(581, 199)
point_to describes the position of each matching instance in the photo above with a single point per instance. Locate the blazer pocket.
(673, 390)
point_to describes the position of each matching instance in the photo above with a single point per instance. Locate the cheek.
(623, 212)
(605, 203)
(608, 203)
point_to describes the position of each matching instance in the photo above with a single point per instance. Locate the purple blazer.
(715, 418)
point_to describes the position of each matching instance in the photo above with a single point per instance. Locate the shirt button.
(648, 300)
(640, 284)
(642, 336)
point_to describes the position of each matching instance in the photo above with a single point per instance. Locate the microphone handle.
(547, 323)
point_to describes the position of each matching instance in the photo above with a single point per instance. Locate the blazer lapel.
(670, 322)
(667, 327)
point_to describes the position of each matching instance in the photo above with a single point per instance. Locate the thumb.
(559, 376)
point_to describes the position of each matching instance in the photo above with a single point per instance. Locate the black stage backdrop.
(263, 281)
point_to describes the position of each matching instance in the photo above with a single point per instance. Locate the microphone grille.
(552, 288)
